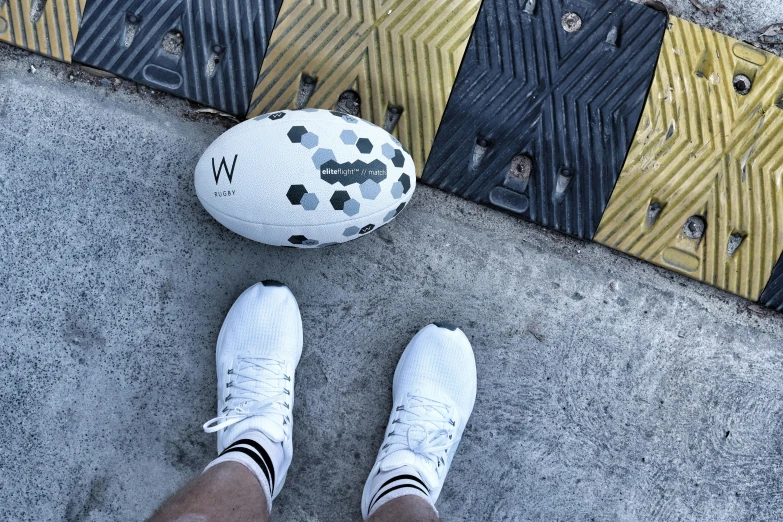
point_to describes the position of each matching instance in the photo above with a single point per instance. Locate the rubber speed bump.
(47, 27)
(701, 190)
(545, 107)
(208, 51)
(392, 63)
(773, 295)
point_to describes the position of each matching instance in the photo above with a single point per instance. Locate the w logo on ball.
(224, 165)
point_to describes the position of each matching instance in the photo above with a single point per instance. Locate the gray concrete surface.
(741, 19)
(608, 389)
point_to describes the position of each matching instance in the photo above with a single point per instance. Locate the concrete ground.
(741, 19)
(608, 389)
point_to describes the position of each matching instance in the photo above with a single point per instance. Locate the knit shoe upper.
(433, 395)
(258, 349)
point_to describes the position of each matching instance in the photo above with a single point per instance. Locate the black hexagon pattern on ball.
(297, 240)
(296, 133)
(398, 159)
(338, 199)
(400, 207)
(276, 116)
(366, 228)
(364, 145)
(406, 183)
(295, 194)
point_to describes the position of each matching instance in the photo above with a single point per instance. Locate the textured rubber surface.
(701, 190)
(48, 27)
(773, 294)
(568, 101)
(401, 53)
(208, 51)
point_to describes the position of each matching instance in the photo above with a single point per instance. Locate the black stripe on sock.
(253, 455)
(395, 488)
(264, 455)
(403, 477)
(400, 477)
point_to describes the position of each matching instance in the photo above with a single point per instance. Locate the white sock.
(396, 483)
(260, 455)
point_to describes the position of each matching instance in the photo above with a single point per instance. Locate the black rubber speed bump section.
(209, 51)
(47, 27)
(545, 106)
(773, 295)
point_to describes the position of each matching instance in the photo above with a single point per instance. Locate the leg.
(258, 349)
(226, 492)
(409, 508)
(433, 395)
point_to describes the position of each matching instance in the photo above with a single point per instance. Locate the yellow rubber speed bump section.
(390, 62)
(701, 192)
(47, 27)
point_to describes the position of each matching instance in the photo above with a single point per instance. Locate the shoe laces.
(257, 387)
(427, 430)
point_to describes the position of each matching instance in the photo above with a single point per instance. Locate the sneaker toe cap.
(265, 317)
(441, 359)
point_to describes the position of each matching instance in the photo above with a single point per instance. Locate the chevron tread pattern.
(570, 102)
(392, 52)
(222, 45)
(47, 28)
(706, 152)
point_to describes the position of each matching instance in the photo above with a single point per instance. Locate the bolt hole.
(173, 43)
(132, 22)
(735, 241)
(572, 22)
(214, 59)
(349, 102)
(653, 212)
(742, 84)
(521, 166)
(393, 114)
(694, 227)
(36, 10)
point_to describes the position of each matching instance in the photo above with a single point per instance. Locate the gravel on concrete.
(741, 19)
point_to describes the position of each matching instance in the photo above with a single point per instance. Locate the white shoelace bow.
(257, 387)
(432, 420)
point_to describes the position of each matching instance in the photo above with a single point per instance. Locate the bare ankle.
(227, 491)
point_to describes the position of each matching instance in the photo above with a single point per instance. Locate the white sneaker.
(433, 396)
(258, 349)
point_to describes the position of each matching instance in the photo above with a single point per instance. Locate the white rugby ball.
(305, 178)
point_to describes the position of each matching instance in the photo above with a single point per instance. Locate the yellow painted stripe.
(703, 149)
(400, 52)
(53, 34)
